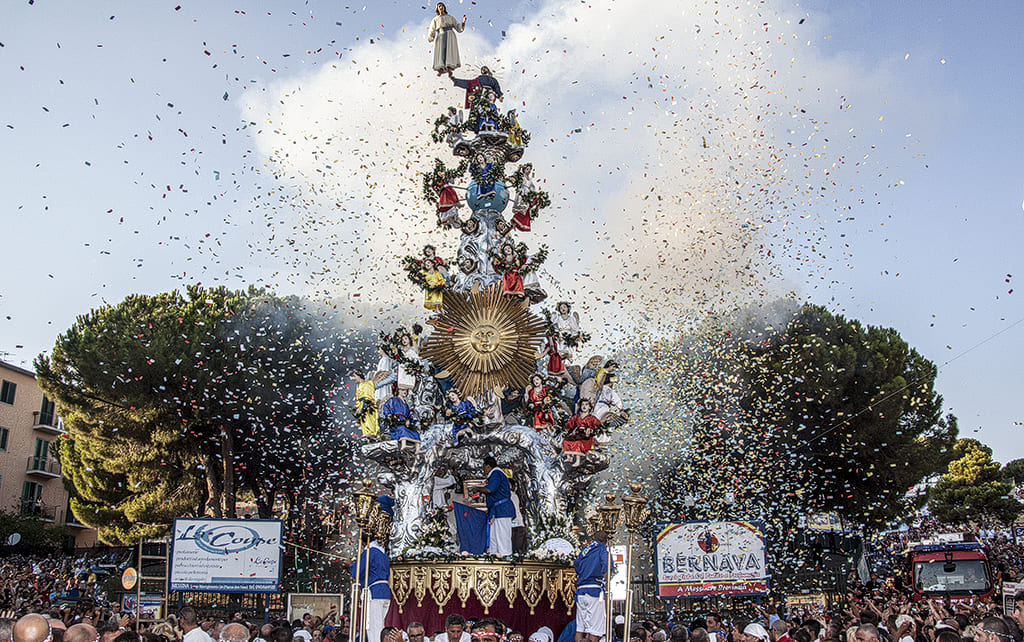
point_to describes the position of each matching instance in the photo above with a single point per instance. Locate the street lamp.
(365, 502)
(608, 521)
(635, 511)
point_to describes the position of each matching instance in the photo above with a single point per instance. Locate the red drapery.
(517, 618)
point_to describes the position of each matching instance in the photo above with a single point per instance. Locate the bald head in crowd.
(32, 628)
(234, 632)
(80, 633)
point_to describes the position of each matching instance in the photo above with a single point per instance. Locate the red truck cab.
(957, 570)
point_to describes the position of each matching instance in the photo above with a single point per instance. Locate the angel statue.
(538, 399)
(446, 46)
(579, 433)
(433, 285)
(510, 263)
(365, 410)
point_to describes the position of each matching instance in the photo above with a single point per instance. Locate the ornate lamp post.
(635, 511)
(608, 521)
(364, 504)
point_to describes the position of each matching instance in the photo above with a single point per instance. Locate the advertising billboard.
(326, 606)
(226, 555)
(696, 559)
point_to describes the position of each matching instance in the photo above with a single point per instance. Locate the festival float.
(490, 371)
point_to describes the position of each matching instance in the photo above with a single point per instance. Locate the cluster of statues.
(541, 435)
(570, 404)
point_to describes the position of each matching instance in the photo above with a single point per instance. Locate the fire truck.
(944, 568)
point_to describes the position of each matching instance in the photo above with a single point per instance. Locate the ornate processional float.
(493, 374)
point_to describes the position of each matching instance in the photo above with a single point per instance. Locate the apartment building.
(30, 475)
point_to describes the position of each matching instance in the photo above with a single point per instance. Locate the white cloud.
(672, 140)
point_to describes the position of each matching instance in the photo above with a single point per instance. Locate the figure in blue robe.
(387, 504)
(591, 566)
(395, 414)
(460, 413)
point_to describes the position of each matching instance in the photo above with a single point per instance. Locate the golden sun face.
(485, 340)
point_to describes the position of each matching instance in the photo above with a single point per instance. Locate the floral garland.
(536, 260)
(420, 554)
(521, 262)
(391, 345)
(440, 177)
(414, 272)
(503, 265)
(434, 533)
(475, 420)
(568, 340)
(548, 526)
(488, 173)
(536, 199)
(363, 409)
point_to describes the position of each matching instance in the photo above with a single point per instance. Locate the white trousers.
(501, 537)
(376, 611)
(590, 615)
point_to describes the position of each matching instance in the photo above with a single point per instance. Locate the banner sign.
(1009, 590)
(825, 522)
(808, 603)
(326, 606)
(620, 573)
(696, 559)
(226, 555)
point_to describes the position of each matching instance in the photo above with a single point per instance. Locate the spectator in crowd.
(81, 633)
(234, 632)
(188, 619)
(32, 628)
(455, 629)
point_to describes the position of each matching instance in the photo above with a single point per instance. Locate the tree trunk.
(264, 501)
(214, 488)
(227, 451)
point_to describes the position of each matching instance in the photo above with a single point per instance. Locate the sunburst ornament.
(485, 340)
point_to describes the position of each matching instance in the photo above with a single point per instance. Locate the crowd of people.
(59, 599)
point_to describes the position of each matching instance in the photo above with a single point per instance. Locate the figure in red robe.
(538, 402)
(580, 430)
(510, 263)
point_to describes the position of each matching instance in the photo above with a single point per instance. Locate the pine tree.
(973, 489)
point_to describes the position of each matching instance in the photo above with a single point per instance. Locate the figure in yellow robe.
(433, 291)
(366, 406)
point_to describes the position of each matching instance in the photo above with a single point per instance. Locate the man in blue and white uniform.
(591, 568)
(500, 509)
(375, 569)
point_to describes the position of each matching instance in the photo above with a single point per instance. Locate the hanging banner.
(226, 556)
(697, 559)
(620, 573)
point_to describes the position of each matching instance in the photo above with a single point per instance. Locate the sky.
(700, 155)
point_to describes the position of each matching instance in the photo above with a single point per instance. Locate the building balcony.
(38, 510)
(48, 423)
(43, 466)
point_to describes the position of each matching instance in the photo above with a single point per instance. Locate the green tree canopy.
(794, 410)
(973, 489)
(1013, 472)
(857, 403)
(175, 403)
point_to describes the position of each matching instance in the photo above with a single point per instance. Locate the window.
(46, 413)
(42, 452)
(32, 492)
(3, 438)
(7, 389)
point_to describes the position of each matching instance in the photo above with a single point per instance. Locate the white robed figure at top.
(446, 46)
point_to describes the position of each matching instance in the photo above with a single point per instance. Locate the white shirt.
(441, 484)
(444, 638)
(197, 635)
